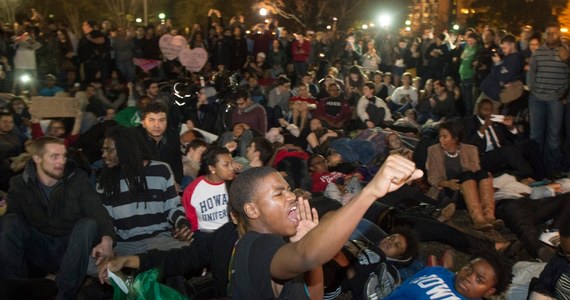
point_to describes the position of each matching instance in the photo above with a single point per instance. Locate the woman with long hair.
(454, 167)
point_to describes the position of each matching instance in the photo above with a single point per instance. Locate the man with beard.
(54, 220)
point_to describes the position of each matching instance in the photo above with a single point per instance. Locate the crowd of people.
(293, 165)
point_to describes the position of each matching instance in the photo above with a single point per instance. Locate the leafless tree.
(8, 10)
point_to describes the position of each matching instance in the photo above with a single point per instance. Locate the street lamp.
(138, 20)
(263, 11)
(364, 26)
(455, 27)
(161, 16)
(385, 20)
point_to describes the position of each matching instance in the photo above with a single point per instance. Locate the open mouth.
(293, 215)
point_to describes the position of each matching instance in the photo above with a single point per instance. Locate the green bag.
(146, 287)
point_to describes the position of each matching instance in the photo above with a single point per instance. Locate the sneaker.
(550, 237)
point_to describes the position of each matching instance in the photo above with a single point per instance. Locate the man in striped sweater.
(548, 84)
(140, 196)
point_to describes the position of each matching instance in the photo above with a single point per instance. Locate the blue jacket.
(508, 70)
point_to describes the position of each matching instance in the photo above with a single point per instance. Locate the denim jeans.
(67, 255)
(546, 118)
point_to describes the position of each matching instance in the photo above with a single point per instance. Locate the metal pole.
(145, 12)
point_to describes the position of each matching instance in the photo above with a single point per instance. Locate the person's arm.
(99, 40)
(545, 284)
(187, 204)
(76, 123)
(325, 241)
(172, 203)
(361, 109)
(172, 262)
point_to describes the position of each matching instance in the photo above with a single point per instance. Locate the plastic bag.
(146, 287)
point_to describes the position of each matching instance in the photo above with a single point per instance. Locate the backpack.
(375, 277)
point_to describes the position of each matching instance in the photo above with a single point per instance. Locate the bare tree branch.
(8, 10)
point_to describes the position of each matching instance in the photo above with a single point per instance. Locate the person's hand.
(370, 124)
(395, 172)
(103, 250)
(114, 265)
(190, 125)
(496, 58)
(33, 114)
(237, 167)
(283, 122)
(453, 184)
(487, 123)
(508, 121)
(231, 146)
(184, 234)
(308, 219)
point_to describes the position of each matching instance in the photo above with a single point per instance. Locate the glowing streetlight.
(408, 28)
(161, 16)
(364, 26)
(138, 20)
(335, 19)
(455, 27)
(329, 27)
(408, 22)
(25, 78)
(371, 25)
(263, 11)
(385, 20)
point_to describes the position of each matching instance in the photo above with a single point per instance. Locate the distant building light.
(464, 11)
(371, 25)
(472, 11)
(364, 26)
(329, 27)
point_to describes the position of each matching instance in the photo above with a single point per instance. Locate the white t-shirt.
(206, 204)
(400, 92)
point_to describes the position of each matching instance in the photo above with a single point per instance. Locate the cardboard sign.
(172, 45)
(146, 64)
(194, 60)
(54, 107)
